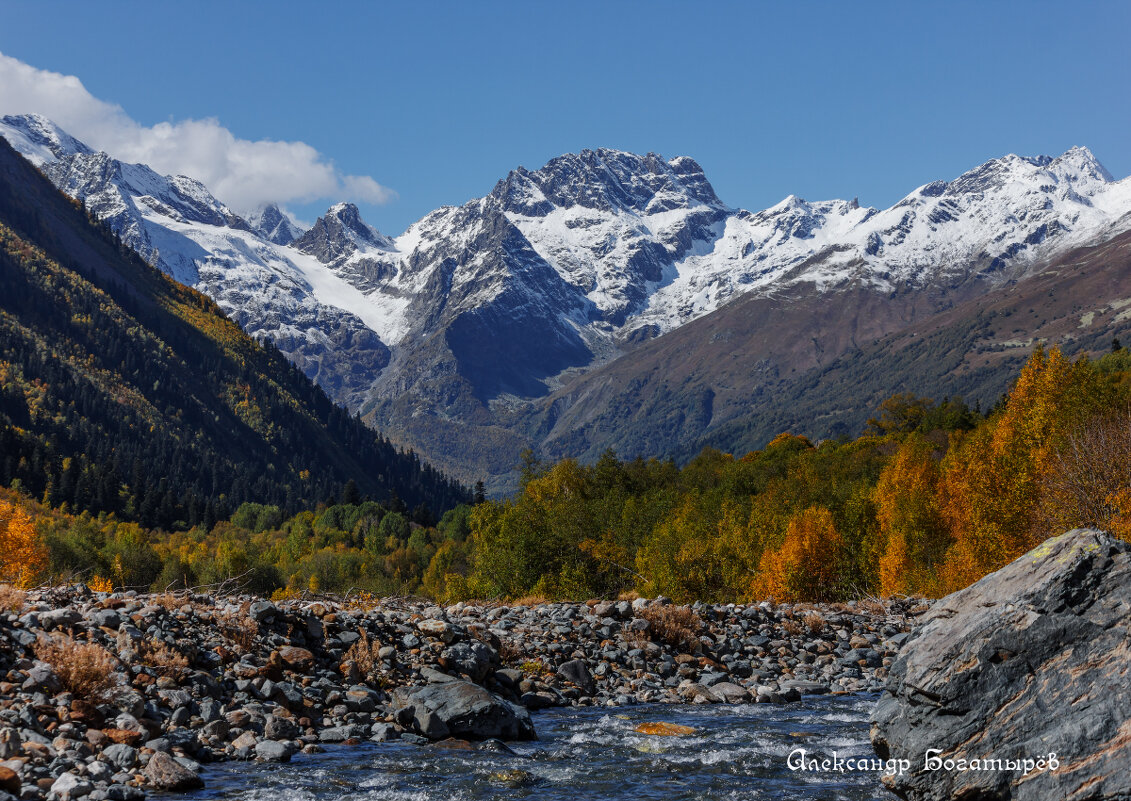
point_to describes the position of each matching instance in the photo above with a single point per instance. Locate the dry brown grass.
(238, 630)
(510, 651)
(634, 638)
(530, 600)
(162, 657)
(815, 621)
(363, 654)
(12, 599)
(170, 600)
(792, 627)
(872, 606)
(630, 595)
(677, 626)
(85, 669)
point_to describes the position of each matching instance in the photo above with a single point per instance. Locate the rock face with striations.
(1031, 660)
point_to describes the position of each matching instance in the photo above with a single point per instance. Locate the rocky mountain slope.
(643, 259)
(125, 392)
(731, 381)
(505, 322)
(174, 223)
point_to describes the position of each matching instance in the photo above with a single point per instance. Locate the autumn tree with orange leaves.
(993, 478)
(931, 498)
(806, 565)
(23, 559)
(913, 537)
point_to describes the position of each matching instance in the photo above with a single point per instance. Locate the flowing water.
(738, 752)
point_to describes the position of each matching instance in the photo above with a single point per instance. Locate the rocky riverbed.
(111, 695)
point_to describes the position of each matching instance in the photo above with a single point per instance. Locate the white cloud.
(239, 172)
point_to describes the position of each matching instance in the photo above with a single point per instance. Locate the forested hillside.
(124, 392)
(932, 497)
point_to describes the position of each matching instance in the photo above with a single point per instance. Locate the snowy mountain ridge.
(38, 139)
(478, 307)
(642, 241)
(175, 223)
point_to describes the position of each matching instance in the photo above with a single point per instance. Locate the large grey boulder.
(272, 751)
(1030, 661)
(165, 773)
(459, 708)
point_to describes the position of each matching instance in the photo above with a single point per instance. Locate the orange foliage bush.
(100, 584)
(1120, 524)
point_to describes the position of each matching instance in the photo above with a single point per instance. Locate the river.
(738, 752)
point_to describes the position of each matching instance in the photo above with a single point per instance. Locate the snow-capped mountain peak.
(350, 218)
(39, 139)
(274, 225)
(1077, 168)
(341, 233)
(606, 180)
(1084, 162)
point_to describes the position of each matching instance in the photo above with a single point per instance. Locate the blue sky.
(437, 101)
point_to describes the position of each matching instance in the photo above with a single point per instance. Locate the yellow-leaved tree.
(23, 557)
(913, 536)
(992, 479)
(700, 552)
